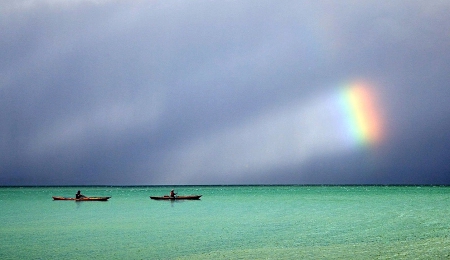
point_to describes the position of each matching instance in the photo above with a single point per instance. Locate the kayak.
(82, 199)
(166, 197)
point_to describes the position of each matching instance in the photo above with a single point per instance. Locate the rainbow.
(362, 115)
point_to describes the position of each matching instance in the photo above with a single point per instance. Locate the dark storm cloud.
(211, 92)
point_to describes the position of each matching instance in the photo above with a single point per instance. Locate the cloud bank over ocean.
(224, 92)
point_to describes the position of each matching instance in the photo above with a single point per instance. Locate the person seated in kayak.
(172, 193)
(79, 195)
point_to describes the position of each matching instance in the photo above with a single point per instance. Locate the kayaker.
(172, 193)
(79, 195)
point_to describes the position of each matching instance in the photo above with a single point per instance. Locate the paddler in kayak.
(172, 193)
(79, 195)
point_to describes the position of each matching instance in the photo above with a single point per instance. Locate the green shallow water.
(229, 222)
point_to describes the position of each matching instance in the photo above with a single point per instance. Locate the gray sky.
(224, 92)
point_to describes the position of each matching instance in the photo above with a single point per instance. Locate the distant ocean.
(229, 222)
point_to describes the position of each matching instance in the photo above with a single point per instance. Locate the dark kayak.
(82, 199)
(165, 197)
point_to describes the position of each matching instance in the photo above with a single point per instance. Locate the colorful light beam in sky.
(335, 123)
(362, 113)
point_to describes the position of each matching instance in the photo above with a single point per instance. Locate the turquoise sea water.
(229, 222)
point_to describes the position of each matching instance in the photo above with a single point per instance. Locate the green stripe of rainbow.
(362, 114)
